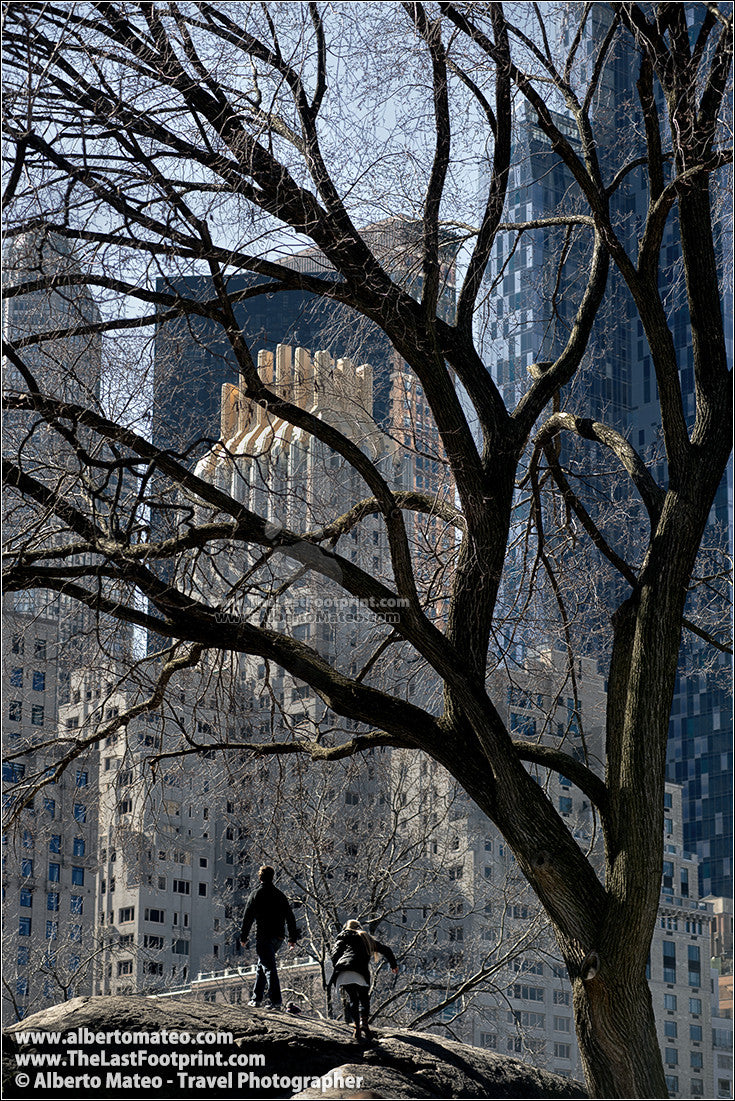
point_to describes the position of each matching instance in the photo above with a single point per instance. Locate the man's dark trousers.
(266, 972)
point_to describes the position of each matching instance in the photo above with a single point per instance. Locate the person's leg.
(346, 1004)
(363, 993)
(260, 979)
(353, 994)
(268, 957)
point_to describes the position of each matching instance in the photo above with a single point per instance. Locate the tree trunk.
(616, 1031)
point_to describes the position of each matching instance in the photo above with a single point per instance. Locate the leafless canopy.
(170, 139)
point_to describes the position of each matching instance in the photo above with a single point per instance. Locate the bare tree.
(178, 139)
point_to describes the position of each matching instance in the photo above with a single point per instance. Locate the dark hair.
(266, 873)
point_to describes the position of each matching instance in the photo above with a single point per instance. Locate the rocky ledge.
(133, 1047)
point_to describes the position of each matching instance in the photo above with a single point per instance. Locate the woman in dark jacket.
(351, 961)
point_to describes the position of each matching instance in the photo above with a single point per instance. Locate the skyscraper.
(48, 852)
(193, 358)
(529, 310)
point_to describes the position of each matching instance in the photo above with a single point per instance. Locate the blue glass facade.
(529, 309)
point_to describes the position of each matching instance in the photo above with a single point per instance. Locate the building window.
(75, 932)
(24, 927)
(672, 1083)
(78, 848)
(18, 644)
(82, 778)
(49, 806)
(125, 967)
(667, 881)
(694, 968)
(670, 1001)
(180, 947)
(202, 890)
(80, 812)
(54, 872)
(670, 1029)
(127, 913)
(15, 711)
(24, 955)
(696, 1087)
(182, 887)
(561, 997)
(39, 649)
(695, 1033)
(37, 714)
(52, 901)
(13, 772)
(21, 988)
(16, 677)
(76, 904)
(671, 1056)
(52, 930)
(527, 1018)
(26, 867)
(669, 961)
(695, 1060)
(39, 681)
(695, 1006)
(562, 1024)
(77, 876)
(26, 897)
(527, 993)
(562, 1051)
(156, 916)
(489, 1040)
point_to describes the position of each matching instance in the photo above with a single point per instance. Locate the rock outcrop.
(143, 1047)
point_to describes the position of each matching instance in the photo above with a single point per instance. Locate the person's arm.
(387, 952)
(293, 932)
(247, 919)
(335, 955)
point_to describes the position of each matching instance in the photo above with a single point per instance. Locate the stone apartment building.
(48, 868)
(297, 482)
(158, 915)
(47, 849)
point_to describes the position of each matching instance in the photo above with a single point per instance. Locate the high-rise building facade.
(49, 850)
(530, 303)
(193, 358)
(48, 846)
(159, 916)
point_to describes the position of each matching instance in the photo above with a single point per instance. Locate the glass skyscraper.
(530, 303)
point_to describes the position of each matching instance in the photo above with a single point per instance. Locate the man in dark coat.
(271, 912)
